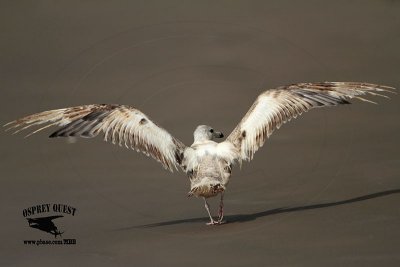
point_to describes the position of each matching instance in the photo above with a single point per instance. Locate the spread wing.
(277, 106)
(121, 124)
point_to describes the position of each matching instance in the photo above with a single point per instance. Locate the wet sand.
(323, 191)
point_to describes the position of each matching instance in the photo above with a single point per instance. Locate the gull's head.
(205, 132)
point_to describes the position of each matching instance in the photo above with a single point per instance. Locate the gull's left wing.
(277, 106)
(121, 124)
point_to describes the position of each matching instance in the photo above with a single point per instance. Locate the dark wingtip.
(53, 135)
(60, 133)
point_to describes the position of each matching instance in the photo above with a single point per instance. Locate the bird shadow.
(241, 218)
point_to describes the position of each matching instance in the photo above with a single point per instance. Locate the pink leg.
(207, 206)
(221, 209)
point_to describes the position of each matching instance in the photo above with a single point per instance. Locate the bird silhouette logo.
(46, 224)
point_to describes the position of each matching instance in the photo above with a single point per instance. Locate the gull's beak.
(218, 134)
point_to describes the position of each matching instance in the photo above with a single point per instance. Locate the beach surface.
(323, 191)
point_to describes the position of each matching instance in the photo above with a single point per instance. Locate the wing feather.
(122, 125)
(277, 106)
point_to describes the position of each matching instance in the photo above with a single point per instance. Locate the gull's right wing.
(277, 106)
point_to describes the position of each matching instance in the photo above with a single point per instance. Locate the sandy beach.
(323, 191)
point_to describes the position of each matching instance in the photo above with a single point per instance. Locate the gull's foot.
(219, 222)
(220, 216)
(212, 223)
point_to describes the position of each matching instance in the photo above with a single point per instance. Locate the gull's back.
(208, 165)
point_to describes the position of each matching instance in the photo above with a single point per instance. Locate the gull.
(207, 164)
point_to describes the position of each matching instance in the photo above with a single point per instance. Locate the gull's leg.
(212, 222)
(221, 208)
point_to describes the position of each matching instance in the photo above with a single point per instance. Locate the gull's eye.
(211, 130)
